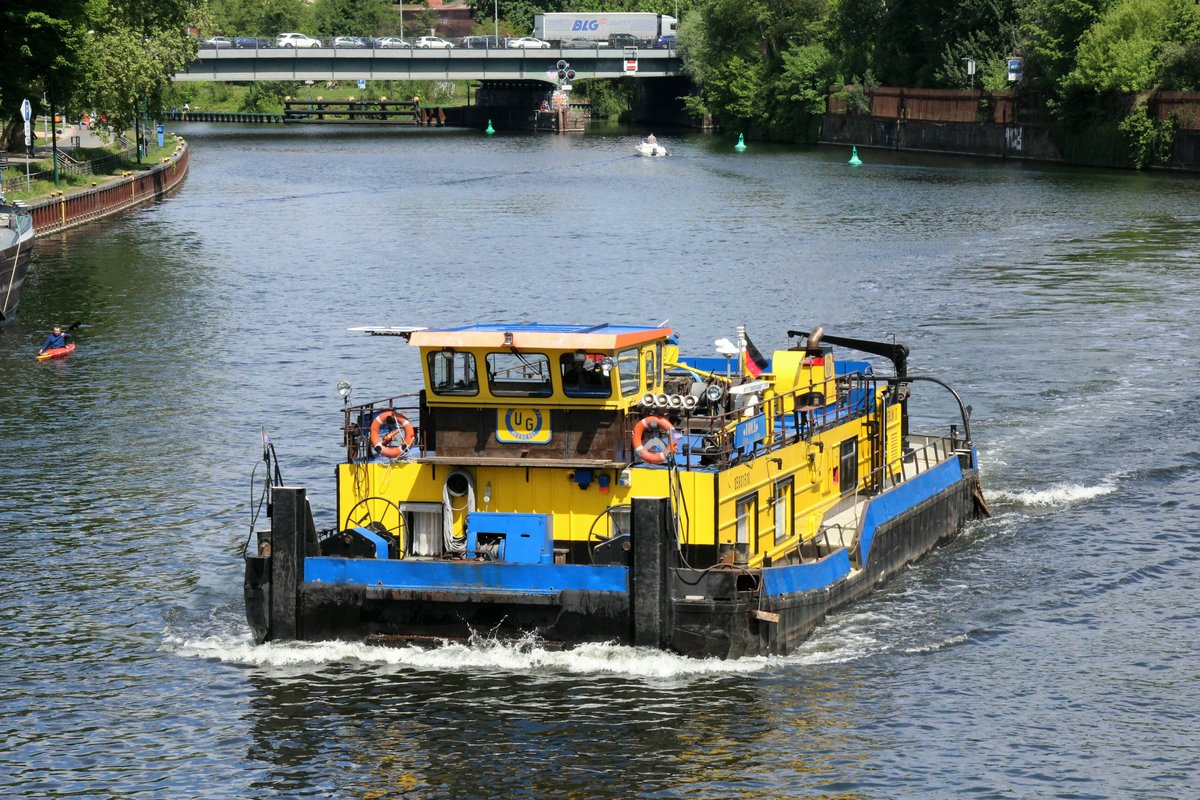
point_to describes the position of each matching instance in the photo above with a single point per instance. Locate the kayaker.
(55, 340)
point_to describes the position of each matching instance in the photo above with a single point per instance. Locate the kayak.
(57, 352)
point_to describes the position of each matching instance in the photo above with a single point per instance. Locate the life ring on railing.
(381, 444)
(639, 432)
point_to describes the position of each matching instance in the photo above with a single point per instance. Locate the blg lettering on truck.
(587, 24)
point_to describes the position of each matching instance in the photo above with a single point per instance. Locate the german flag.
(754, 362)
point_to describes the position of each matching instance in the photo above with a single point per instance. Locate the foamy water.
(1059, 494)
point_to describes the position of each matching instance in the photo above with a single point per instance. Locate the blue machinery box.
(515, 538)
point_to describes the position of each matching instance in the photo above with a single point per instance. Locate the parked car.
(434, 42)
(390, 42)
(217, 42)
(252, 42)
(296, 40)
(623, 40)
(348, 41)
(528, 43)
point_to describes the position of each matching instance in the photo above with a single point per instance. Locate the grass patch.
(41, 182)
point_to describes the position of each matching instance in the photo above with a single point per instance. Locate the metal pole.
(53, 135)
(496, 8)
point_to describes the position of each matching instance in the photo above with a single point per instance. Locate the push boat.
(590, 484)
(16, 250)
(650, 149)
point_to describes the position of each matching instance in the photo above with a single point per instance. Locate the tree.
(1178, 65)
(39, 45)
(1117, 53)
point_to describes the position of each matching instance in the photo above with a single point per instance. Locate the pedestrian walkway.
(67, 134)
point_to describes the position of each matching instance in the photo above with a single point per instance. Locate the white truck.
(617, 29)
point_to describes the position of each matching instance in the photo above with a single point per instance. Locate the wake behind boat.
(589, 484)
(16, 250)
(651, 149)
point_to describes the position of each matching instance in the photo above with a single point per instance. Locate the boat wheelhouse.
(586, 484)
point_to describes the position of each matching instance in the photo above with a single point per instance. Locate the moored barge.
(587, 484)
(16, 251)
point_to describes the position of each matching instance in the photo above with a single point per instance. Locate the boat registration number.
(523, 425)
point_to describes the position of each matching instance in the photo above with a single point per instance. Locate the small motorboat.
(650, 149)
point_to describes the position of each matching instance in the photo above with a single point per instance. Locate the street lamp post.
(496, 10)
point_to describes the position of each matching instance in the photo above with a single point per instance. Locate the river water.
(1048, 652)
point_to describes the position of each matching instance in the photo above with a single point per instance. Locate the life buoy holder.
(382, 443)
(639, 433)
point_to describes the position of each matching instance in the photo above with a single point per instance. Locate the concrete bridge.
(327, 63)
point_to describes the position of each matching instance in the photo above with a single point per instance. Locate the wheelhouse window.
(519, 374)
(453, 373)
(650, 370)
(628, 367)
(583, 374)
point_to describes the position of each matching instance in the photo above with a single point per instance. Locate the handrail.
(722, 427)
(356, 441)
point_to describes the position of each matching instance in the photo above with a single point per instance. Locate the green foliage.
(855, 25)
(127, 71)
(609, 99)
(796, 95)
(734, 92)
(857, 95)
(1116, 54)
(263, 18)
(1050, 33)
(1178, 65)
(758, 64)
(1147, 139)
(267, 96)
(39, 45)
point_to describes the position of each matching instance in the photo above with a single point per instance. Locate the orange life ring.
(382, 443)
(639, 433)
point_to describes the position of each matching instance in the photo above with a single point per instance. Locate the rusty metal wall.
(960, 105)
(1183, 106)
(69, 210)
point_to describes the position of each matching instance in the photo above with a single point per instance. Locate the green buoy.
(490, 130)
(854, 161)
(741, 145)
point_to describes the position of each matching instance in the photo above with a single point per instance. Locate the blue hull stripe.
(805, 577)
(895, 502)
(473, 576)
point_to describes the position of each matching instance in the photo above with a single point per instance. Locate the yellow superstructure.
(539, 420)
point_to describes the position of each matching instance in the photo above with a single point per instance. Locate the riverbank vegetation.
(766, 64)
(98, 165)
(763, 66)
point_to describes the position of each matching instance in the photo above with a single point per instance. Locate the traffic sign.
(631, 65)
(362, 84)
(1015, 66)
(26, 110)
